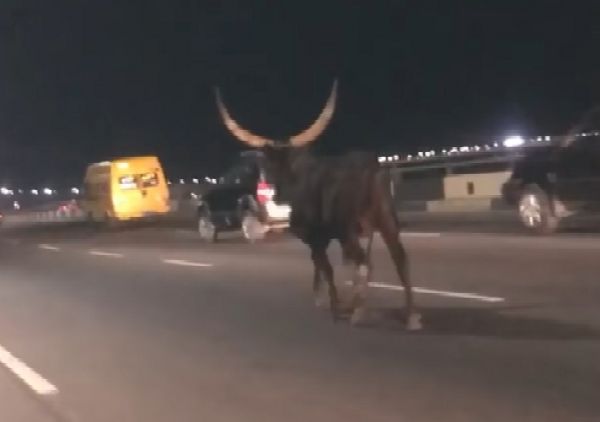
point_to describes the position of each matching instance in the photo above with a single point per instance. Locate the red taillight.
(264, 192)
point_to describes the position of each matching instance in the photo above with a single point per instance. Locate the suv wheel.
(252, 228)
(206, 228)
(535, 211)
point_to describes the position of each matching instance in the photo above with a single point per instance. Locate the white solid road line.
(48, 247)
(108, 254)
(185, 263)
(34, 380)
(459, 295)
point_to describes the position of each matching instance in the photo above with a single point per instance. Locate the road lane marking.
(445, 293)
(419, 234)
(185, 263)
(107, 254)
(34, 380)
(48, 247)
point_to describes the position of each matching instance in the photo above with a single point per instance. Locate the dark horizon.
(82, 83)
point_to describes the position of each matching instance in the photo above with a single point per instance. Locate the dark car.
(245, 199)
(554, 183)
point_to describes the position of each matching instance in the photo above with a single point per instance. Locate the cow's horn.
(239, 132)
(319, 125)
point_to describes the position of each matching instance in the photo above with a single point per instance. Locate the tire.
(206, 228)
(253, 229)
(535, 211)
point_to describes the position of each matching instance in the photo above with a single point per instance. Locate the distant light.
(513, 141)
(16, 206)
(420, 154)
(380, 159)
(476, 148)
(34, 192)
(181, 181)
(6, 191)
(539, 139)
(444, 152)
(196, 181)
(390, 158)
(396, 157)
(20, 190)
(547, 139)
(75, 191)
(47, 191)
(214, 180)
(495, 145)
(168, 182)
(409, 157)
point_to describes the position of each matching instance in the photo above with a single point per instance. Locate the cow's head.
(280, 153)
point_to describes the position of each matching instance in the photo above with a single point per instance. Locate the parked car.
(552, 183)
(245, 199)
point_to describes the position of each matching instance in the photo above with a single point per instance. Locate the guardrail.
(55, 216)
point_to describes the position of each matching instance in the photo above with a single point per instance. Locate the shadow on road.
(485, 322)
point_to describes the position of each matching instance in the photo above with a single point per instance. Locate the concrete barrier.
(58, 216)
(483, 185)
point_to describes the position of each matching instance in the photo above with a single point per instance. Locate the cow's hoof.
(321, 301)
(358, 316)
(414, 322)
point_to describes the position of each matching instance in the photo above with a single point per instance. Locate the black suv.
(550, 183)
(245, 199)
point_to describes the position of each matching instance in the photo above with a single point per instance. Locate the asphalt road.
(152, 325)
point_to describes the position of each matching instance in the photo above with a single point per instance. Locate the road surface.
(152, 325)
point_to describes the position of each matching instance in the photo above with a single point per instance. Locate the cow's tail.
(369, 246)
(386, 198)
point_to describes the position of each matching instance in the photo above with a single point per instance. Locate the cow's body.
(339, 198)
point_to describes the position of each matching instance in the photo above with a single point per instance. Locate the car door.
(235, 183)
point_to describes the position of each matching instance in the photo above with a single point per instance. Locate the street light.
(513, 141)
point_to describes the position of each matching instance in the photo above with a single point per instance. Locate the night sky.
(85, 81)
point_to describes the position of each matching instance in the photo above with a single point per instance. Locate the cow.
(343, 198)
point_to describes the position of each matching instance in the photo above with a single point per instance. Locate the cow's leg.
(362, 274)
(390, 233)
(317, 281)
(323, 268)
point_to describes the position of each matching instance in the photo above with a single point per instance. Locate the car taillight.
(264, 192)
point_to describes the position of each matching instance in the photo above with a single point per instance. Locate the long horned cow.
(339, 198)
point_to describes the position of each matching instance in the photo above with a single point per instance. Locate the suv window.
(587, 144)
(240, 174)
(581, 158)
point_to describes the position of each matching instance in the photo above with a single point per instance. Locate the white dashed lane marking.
(184, 263)
(419, 234)
(445, 293)
(107, 254)
(47, 247)
(32, 379)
